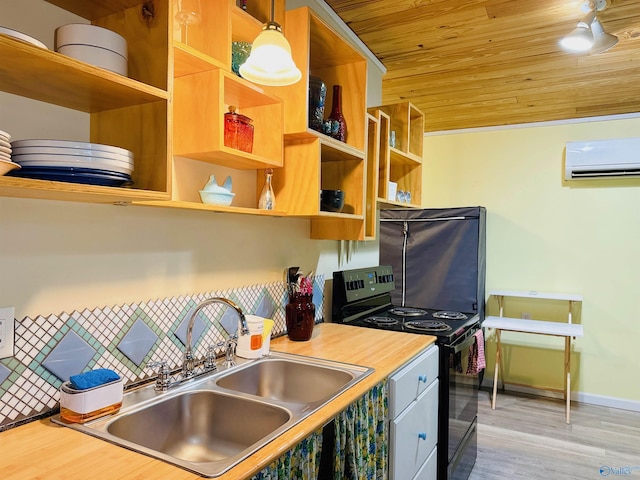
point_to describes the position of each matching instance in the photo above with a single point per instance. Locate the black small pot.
(331, 200)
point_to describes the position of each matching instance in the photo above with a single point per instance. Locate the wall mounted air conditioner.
(602, 159)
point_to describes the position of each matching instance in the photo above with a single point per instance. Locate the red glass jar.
(300, 315)
(238, 131)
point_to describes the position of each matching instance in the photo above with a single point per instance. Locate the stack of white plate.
(68, 161)
(92, 44)
(6, 165)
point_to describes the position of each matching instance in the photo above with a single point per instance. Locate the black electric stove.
(362, 298)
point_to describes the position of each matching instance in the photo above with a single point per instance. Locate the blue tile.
(138, 341)
(198, 328)
(69, 357)
(229, 321)
(4, 373)
(266, 307)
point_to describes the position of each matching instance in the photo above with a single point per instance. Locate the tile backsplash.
(49, 349)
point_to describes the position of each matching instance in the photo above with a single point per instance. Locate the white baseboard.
(589, 398)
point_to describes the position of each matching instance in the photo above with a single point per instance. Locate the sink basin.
(210, 423)
(200, 426)
(286, 380)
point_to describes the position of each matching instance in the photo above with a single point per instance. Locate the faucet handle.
(210, 361)
(163, 381)
(230, 348)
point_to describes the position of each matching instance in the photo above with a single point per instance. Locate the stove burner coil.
(408, 311)
(446, 315)
(427, 326)
(381, 321)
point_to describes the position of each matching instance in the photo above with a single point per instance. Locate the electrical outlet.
(6, 331)
(526, 315)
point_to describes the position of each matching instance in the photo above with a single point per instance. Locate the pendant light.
(270, 61)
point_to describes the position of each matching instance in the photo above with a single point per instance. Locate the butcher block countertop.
(42, 450)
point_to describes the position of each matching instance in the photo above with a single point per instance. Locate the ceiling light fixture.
(270, 61)
(589, 35)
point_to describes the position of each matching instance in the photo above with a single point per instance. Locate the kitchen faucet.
(188, 362)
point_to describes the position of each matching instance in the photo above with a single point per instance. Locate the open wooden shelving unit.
(128, 112)
(401, 164)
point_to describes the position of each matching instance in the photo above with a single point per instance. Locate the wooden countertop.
(44, 450)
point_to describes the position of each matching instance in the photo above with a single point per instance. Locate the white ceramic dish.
(5, 156)
(5, 136)
(69, 159)
(86, 34)
(97, 147)
(97, 56)
(4, 149)
(214, 198)
(74, 164)
(95, 154)
(6, 166)
(4, 143)
(23, 37)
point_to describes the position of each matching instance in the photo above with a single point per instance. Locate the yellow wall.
(549, 235)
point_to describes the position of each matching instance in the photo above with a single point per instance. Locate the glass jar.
(238, 131)
(300, 315)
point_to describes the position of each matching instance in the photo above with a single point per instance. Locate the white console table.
(567, 330)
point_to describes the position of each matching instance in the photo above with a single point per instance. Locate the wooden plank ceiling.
(476, 63)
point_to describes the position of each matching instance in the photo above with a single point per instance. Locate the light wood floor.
(526, 437)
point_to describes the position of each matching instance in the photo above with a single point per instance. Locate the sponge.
(93, 378)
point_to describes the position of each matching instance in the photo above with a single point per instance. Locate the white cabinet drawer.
(429, 470)
(411, 380)
(413, 435)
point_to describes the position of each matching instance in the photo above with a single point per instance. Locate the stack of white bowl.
(92, 44)
(69, 161)
(6, 165)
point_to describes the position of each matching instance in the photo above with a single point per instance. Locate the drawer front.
(413, 435)
(429, 469)
(411, 380)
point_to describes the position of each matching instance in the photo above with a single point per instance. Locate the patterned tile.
(123, 338)
(69, 357)
(138, 341)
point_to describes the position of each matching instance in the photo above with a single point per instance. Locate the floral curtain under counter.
(359, 445)
(362, 437)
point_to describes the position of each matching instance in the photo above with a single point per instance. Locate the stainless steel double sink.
(212, 423)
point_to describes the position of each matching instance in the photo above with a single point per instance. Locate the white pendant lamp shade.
(580, 40)
(270, 61)
(602, 41)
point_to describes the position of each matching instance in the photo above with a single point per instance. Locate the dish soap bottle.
(267, 197)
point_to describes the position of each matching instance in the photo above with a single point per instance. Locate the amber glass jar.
(300, 315)
(238, 131)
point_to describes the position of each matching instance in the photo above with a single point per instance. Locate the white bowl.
(95, 147)
(85, 34)
(215, 198)
(100, 57)
(7, 166)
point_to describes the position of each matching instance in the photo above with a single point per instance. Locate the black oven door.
(461, 410)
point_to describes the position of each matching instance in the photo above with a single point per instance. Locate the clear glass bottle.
(267, 197)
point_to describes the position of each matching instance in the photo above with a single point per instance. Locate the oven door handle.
(466, 343)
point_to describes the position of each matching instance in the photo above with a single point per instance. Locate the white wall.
(550, 235)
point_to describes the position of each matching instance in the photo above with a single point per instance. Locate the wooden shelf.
(317, 163)
(69, 82)
(202, 99)
(187, 60)
(400, 164)
(49, 190)
(212, 208)
(319, 51)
